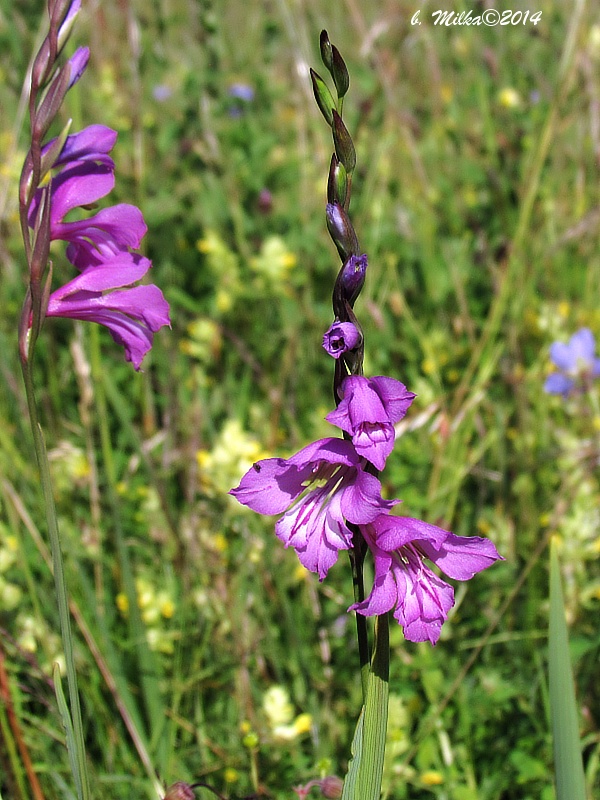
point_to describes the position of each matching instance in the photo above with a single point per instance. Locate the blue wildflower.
(576, 361)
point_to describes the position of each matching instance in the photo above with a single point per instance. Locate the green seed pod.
(323, 96)
(344, 147)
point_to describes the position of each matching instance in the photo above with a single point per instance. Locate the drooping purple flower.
(576, 361)
(318, 490)
(132, 315)
(100, 247)
(368, 411)
(404, 582)
(340, 338)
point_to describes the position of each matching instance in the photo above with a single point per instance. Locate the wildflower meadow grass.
(178, 188)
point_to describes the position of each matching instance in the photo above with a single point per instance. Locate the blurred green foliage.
(470, 280)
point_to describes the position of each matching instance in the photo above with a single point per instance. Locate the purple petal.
(81, 183)
(77, 63)
(383, 596)
(394, 395)
(583, 345)
(374, 442)
(331, 450)
(72, 12)
(360, 403)
(123, 271)
(461, 557)
(316, 530)
(352, 275)
(91, 144)
(395, 532)
(271, 485)
(361, 500)
(562, 356)
(131, 315)
(557, 383)
(424, 600)
(113, 228)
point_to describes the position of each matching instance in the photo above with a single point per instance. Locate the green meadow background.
(205, 653)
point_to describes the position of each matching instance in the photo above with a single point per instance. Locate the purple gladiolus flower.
(132, 316)
(403, 581)
(318, 491)
(340, 338)
(576, 362)
(368, 411)
(99, 246)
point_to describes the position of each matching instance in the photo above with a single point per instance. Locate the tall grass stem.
(79, 757)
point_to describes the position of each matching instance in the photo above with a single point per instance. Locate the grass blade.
(570, 783)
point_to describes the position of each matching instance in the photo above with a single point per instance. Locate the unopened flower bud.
(337, 182)
(57, 9)
(352, 277)
(41, 66)
(340, 338)
(77, 63)
(344, 146)
(326, 50)
(67, 24)
(323, 96)
(339, 72)
(341, 230)
(180, 791)
(331, 787)
(51, 103)
(62, 81)
(41, 239)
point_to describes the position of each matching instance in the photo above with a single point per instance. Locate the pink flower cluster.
(327, 489)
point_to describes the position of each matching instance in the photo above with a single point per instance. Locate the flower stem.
(356, 561)
(79, 757)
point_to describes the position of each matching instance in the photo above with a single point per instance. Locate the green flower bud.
(344, 146)
(326, 50)
(323, 96)
(337, 182)
(339, 72)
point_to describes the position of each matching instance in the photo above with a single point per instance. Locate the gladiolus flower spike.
(328, 495)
